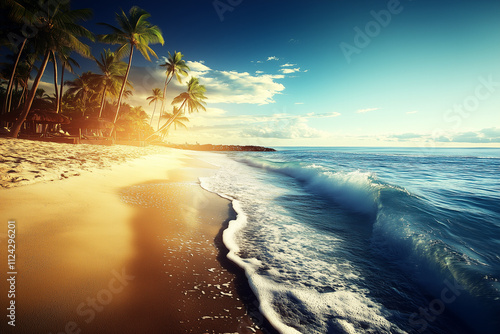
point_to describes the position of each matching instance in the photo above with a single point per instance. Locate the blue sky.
(333, 73)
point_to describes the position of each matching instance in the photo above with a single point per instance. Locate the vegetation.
(57, 36)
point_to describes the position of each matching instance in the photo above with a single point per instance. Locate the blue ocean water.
(367, 240)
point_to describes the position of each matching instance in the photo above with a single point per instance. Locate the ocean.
(367, 240)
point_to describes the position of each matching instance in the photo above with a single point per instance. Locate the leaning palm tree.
(134, 32)
(113, 73)
(19, 12)
(59, 31)
(192, 100)
(177, 122)
(155, 98)
(175, 66)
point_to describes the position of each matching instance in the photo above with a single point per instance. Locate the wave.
(417, 236)
(408, 230)
(355, 190)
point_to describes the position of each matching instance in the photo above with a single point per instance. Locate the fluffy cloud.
(289, 70)
(362, 111)
(272, 58)
(288, 65)
(222, 86)
(278, 126)
(323, 115)
(294, 128)
(240, 87)
(489, 135)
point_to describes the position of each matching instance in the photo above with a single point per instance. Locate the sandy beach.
(116, 240)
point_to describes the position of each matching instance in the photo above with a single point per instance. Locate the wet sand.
(132, 249)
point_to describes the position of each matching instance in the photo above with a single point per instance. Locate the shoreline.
(90, 261)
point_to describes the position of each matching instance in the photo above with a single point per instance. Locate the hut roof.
(40, 116)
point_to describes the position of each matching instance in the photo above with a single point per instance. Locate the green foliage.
(58, 35)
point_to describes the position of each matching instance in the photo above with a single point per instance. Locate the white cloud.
(240, 87)
(323, 115)
(299, 102)
(289, 70)
(288, 65)
(287, 128)
(198, 66)
(259, 72)
(412, 112)
(489, 135)
(362, 111)
(272, 58)
(222, 86)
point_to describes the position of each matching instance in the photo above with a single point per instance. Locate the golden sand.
(127, 249)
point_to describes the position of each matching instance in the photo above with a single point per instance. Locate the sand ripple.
(25, 161)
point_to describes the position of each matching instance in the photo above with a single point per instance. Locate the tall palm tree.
(81, 87)
(113, 73)
(177, 121)
(155, 98)
(192, 100)
(59, 31)
(66, 63)
(174, 66)
(19, 12)
(134, 32)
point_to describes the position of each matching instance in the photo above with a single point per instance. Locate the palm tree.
(175, 66)
(113, 71)
(192, 100)
(135, 32)
(66, 63)
(81, 87)
(155, 98)
(177, 121)
(59, 31)
(24, 12)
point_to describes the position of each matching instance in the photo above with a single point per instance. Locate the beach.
(116, 240)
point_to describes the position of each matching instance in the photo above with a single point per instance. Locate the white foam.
(288, 263)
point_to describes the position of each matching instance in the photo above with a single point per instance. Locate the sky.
(326, 73)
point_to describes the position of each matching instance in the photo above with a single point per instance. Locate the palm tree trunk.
(59, 102)
(23, 93)
(6, 106)
(122, 89)
(31, 96)
(154, 110)
(56, 89)
(162, 110)
(103, 99)
(169, 122)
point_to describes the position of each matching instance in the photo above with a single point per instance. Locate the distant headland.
(210, 147)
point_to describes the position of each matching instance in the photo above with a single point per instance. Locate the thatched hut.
(89, 127)
(38, 122)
